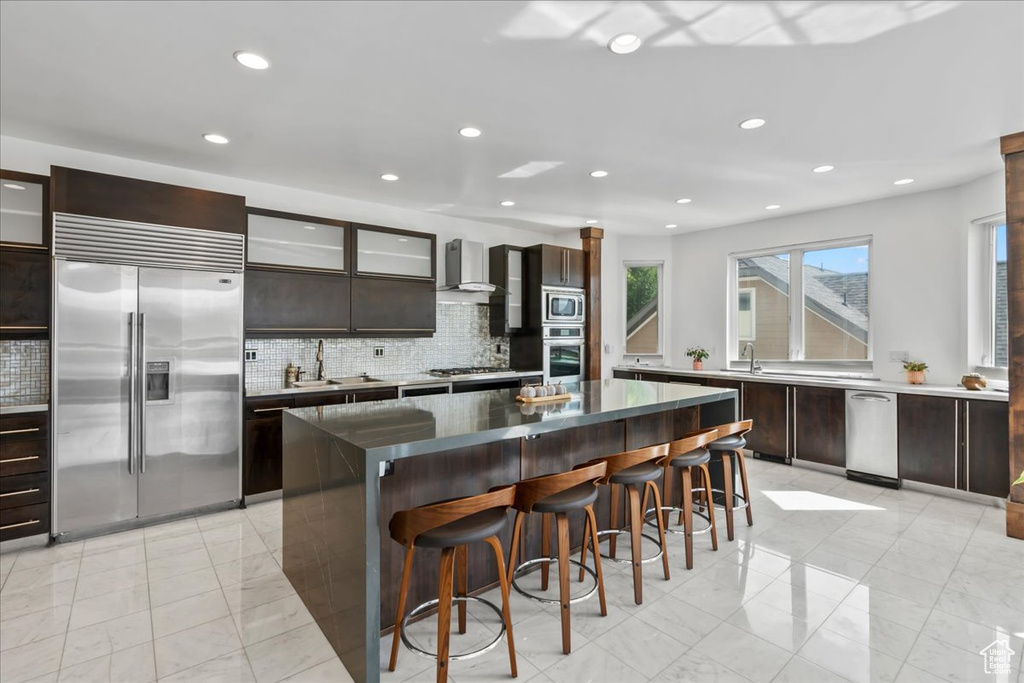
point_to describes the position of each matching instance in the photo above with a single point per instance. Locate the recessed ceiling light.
(14, 186)
(624, 43)
(403, 239)
(309, 227)
(671, 225)
(683, 200)
(598, 174)
(591, 221)
(216, 138)
(508, 202)
(823, 169)
(251, 60)
(751, 124)
(389, 177)
(469, 132)
(772, 207)
(904, 181)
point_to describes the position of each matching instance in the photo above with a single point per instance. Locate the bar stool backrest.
(623, 461)
(406, 525)
(739, 428)
(692, 442)
(530, 491)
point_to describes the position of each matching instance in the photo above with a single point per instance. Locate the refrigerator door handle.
(142, 393)
(132, 390)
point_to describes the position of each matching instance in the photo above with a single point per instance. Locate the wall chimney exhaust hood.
(464, 268)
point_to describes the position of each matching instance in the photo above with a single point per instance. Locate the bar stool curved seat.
(451, 525)
(558, 495)
(631, 471)
(729, 446)
(685, 455)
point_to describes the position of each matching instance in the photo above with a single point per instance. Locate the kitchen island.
(348, 468)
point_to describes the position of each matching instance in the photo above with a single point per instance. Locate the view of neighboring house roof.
(641, 317)
(840, 298)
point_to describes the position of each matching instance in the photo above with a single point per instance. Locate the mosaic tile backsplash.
(24, 371)
(462, 338)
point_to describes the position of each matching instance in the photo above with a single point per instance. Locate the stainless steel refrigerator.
(147, 392)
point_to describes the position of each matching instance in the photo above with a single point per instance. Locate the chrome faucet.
(755, 365)
(320, 374)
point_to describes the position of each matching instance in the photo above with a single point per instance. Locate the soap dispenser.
(291, 374)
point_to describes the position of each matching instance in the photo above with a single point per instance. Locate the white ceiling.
(881, 90)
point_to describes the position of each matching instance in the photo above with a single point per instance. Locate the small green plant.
(1020, 479)
(698, 353)
(914, 366)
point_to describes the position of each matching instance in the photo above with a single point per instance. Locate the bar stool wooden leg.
(661, 527)
(562, 522)
(592, 526)
(545, 549)
(402, 594)
(444, 611)
(667, 488)
(727, 488)
(742, 461)
(634, 532)
(461, 583)
(688, 515)
(613, 523)
(506, 614)
(705, 475)
(586, 542)
(513, 558)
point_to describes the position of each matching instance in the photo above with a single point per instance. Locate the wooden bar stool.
(685, 454)
(558, 495)
(632, 470)
(727, 446)
(451, 526)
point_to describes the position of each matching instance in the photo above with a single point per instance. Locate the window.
(998, 331)
(643, 301)
(831, 281)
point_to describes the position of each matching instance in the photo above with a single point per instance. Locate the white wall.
(921, 265)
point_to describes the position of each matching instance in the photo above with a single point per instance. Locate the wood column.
(592, 285)
(1013, 154)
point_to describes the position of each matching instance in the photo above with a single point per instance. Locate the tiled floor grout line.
(71, 613)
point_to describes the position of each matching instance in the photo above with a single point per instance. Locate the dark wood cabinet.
(987, 447)
(24, 294)
(382, 307)
(929, 449)
(768, 406)
(24, 475)
(296, 303)
(390, 252)
(506, 270)
(261, 466)
(560, 266)
(819, 425)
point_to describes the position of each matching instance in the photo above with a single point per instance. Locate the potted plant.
(698, 354)
(915, 371)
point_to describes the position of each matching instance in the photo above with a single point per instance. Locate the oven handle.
(564, 342)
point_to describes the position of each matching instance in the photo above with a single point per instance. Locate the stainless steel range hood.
(464, 268)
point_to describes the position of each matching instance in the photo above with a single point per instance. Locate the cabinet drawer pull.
(20, 431)
(24, 327)
(15, 526)
(297, 329)
(26, 458)
(18, 493)
(269, 410)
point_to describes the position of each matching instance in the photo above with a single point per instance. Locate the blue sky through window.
(1001, 242)
(840, 260)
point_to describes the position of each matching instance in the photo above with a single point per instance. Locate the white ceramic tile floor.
(881, 586)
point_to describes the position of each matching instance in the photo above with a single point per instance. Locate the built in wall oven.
(563, 305)
(564, 354)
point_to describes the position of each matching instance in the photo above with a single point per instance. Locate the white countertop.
(948, 390)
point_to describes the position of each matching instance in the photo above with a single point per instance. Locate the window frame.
(660, 265)
(988, 360)
(797, 323)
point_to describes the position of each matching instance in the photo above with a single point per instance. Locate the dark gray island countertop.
(387, 430)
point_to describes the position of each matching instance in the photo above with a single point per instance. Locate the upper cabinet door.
(297, 242)
(561, 266)
(24, 204)
(385, 252)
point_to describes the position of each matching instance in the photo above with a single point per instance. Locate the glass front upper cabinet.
(21, 211)
(296, 243)
(394, 254)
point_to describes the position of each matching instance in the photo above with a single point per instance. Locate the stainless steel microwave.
(563, 305)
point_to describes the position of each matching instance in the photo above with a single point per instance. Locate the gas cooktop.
(479, 370)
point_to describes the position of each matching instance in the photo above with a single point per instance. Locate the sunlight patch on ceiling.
(531, 169)
(546, 19)
(811, 501)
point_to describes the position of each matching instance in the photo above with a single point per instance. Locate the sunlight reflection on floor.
(809, 500)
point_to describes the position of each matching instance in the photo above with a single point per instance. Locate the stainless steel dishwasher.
(871, 438)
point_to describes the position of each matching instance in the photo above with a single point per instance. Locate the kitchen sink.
(358, 379)
(311, 383)
(788, 375)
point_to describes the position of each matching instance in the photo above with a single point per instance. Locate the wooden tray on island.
(544, 399)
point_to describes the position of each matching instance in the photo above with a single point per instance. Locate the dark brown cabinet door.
(24, 293)
(987, 447)
(819, 425)
(561, 266)
(262, 469)
(624, 374)
(299, 304)
(768, 406)
(928, 439)
(574, 266)
(365, 395)
(393, 307)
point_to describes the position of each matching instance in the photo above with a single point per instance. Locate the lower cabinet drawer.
(24, 457)
(23, 426)
(27, 520)
(24, 489)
